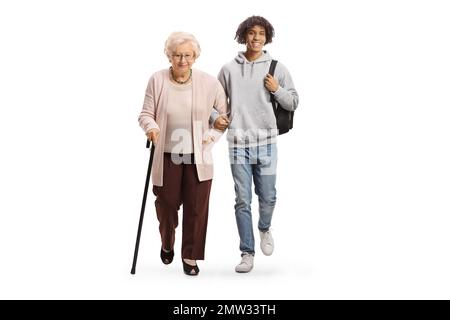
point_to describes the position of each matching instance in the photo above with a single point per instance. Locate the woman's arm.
(147, 117)
(221, 109)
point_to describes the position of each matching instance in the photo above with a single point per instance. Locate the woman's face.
(182, 58)
(255, 38)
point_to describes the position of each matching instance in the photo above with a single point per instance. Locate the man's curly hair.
(250, 22)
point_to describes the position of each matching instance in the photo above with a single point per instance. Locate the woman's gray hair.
(177, 38)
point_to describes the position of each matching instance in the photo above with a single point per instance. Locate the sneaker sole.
(267, 254)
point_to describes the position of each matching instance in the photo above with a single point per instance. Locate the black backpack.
(285, 118)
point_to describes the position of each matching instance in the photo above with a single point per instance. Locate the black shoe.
(190, 270)
(167, 257)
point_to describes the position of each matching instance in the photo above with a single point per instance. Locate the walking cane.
(144, 199)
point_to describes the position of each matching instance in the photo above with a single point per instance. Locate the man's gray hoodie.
(252, 118)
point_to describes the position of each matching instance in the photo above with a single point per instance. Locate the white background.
(363, 180)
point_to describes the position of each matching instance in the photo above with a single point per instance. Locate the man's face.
(255, 38)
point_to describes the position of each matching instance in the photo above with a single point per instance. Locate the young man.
(253, 130)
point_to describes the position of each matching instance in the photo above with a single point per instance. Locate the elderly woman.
(175, 117)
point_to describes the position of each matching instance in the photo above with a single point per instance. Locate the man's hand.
(221, 122)
(271, 83)
(152, 135)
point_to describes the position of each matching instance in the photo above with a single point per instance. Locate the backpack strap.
(273, 65)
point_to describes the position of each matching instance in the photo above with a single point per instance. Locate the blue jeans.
(259, 163)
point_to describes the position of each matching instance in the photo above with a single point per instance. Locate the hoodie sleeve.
(286, 95)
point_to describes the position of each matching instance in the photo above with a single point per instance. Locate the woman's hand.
(271, 83)
(221, 122)
(152, 135)
(210, 137)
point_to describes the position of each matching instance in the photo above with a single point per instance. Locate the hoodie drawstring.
(241, 59)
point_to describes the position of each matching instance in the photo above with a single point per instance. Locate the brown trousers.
(181, 186)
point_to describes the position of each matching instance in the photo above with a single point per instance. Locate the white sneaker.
(246, 264)
(267, 244)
